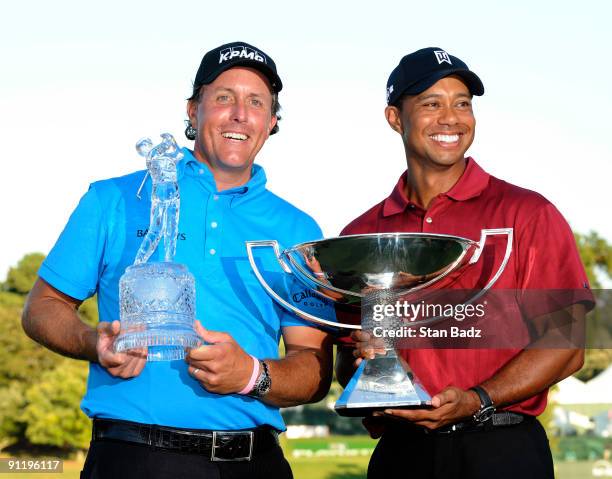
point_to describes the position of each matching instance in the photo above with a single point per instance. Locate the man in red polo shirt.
(482, 421)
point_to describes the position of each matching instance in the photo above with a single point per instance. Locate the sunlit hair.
(399, 102)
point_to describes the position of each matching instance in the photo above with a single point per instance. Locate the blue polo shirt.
(101, 239)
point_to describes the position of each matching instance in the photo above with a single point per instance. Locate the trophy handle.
(484, 234)
(306, 316)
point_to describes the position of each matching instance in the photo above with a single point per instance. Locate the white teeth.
(234, 136)
(445, 138)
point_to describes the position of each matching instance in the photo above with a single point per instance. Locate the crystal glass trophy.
(157, 299)
(372, 272)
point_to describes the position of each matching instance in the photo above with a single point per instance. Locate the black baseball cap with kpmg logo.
(232, 55)
(418, 71)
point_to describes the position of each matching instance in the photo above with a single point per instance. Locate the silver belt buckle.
(213, 453)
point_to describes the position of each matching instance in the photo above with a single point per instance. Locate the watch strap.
(263, 383)
(485, 399)
(487, 408)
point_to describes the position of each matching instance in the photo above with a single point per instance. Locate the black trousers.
(117, 460)
(513, 452)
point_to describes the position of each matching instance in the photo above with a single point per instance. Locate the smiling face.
(437, 126)
(233, 119)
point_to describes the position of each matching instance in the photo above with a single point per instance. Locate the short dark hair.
(400, 101)
(276, 107)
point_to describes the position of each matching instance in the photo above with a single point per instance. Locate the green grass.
(330, 468)
(322, 466)
(350, 442)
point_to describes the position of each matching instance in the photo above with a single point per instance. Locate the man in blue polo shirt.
(216, 414)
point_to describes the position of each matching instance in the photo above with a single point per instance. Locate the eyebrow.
(438, 95)
(232, 91)
(429, 95)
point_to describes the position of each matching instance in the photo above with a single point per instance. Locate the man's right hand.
(123, 365)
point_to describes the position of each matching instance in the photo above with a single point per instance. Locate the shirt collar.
(397, 200)
(192, 167)
(470, 185)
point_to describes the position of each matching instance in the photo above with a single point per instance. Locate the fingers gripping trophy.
(157, 299)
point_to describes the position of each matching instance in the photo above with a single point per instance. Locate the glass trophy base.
(381, 383)
(157, 310)
(162, 344)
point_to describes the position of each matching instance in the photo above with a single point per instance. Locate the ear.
(273, 121)
(394, 118)
(192, 107)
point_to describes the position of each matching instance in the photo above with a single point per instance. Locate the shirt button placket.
(427, 222)
(435, 212)
(214, 214)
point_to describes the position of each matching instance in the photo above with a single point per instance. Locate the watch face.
(484, 414)
(264, 386)
(263, 383)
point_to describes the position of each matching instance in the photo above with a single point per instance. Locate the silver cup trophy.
(374, 270)
(157, 299)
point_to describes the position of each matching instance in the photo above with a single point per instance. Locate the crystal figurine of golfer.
(157, 299)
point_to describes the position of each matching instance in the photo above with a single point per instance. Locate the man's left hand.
(448, 407)
(221, 366)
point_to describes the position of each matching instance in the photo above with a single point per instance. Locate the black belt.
(217, 445)
(499, 419)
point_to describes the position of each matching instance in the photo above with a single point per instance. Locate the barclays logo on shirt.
(142, 234)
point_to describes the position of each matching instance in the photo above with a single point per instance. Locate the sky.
(82, 81)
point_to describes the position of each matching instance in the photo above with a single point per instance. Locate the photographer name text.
(426, 332)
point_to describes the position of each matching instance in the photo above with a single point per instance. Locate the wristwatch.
(487, 408)
(263, 382)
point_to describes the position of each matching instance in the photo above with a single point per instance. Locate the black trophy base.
(378, 384)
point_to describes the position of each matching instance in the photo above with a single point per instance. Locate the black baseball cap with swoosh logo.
(419, 70)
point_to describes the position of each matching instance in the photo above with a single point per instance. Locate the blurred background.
(83, 81)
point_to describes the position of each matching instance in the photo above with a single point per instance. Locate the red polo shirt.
(544, 256)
